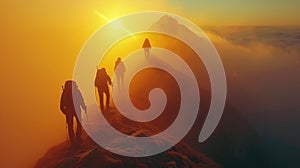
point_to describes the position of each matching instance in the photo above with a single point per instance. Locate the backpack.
(102, 79)
(66, 101)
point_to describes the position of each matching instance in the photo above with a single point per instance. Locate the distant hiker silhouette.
(119, 69)
(146, 46)
(69, 108)
(101, 82)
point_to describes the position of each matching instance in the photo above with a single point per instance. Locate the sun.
(116, 24)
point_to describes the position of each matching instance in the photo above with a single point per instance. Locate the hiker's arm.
(109, 80)
(82, 104)
(84, 107)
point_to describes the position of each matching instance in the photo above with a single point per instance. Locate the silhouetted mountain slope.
(90, 155)
(233, 144)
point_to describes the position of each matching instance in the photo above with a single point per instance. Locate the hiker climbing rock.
(146, 46)
(101, 83)
(119, 72)
(71, 103)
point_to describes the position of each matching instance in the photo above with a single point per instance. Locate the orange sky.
(40, 41)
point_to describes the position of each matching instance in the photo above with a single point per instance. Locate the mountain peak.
(168, 20)
(173, 26)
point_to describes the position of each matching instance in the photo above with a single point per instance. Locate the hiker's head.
(119, 59)
(69, 84)
(102, 71)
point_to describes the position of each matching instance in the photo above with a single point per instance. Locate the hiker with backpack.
(119, 70)
(71, 103)
(102, 81)
(146, 46)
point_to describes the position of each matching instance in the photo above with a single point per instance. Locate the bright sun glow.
(102, 16)
(115, 23)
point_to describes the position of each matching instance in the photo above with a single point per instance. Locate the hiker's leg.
(107, 98)
(69, 119)
(101, 98)
(147, 52)
(79, 129)
(118, 82)
(122, 80)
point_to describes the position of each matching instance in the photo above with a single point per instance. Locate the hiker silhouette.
(146, 46)
(70, 94)
(119, 69)
(101, 82)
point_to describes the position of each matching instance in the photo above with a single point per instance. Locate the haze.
(40, 41)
